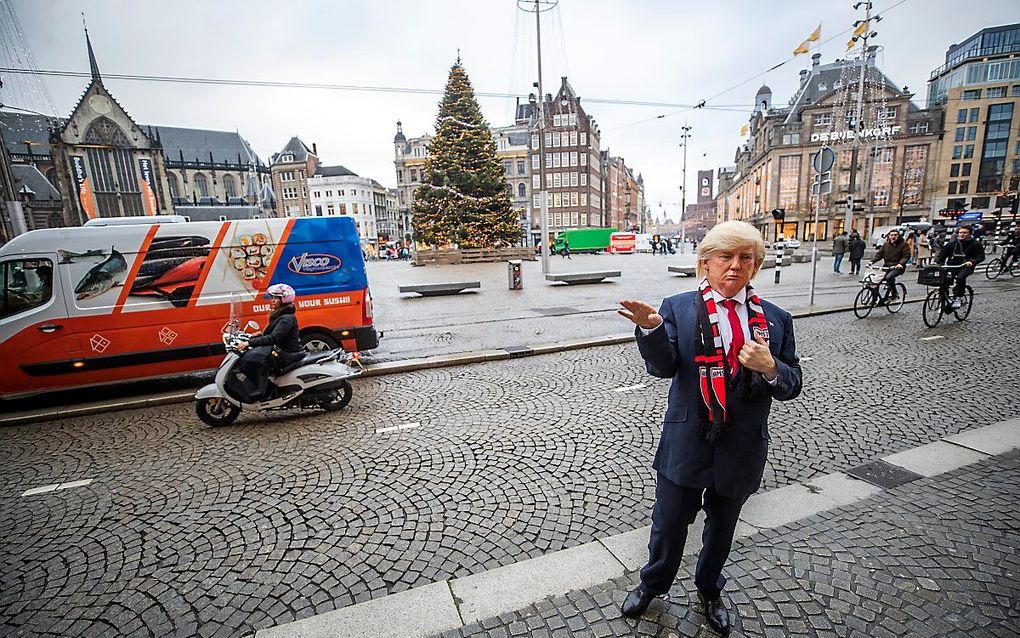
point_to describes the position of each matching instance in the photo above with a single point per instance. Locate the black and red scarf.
(710, 357)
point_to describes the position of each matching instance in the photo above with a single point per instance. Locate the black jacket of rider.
(956, 252)
(282, 332)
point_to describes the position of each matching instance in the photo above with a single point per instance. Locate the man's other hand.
(755, 355)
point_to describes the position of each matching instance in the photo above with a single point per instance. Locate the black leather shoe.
(637, 602)
(715, 612)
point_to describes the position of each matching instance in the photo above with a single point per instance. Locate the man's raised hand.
(640, 313)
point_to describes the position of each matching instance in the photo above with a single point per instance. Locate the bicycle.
(870, 295)
(998, 266)
(939, 300)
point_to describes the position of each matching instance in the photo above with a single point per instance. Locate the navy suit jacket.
(735, 463)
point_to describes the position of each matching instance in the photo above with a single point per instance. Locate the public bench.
(443, 288)
(686, 271)
(571, 278)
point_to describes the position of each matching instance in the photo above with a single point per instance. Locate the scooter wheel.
(216, 412)
(339, 398)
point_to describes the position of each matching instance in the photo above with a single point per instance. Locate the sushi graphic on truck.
(129, 283)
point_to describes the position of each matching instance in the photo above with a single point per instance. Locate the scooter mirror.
(252, 325)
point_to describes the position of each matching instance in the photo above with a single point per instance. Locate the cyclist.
(1012, 248)
(894, 254)
(964, 251)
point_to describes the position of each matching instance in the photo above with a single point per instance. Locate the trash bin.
(513, 275)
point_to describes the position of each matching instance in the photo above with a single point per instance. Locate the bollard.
(779, 263)
(513, 272)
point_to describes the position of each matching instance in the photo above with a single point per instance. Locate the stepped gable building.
(291, 168)
(978, 91)
(773, 167)
(101, 163)
(573, 163)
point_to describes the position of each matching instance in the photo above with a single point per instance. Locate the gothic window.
(51, 175)
(171, 181)
(522, 190)
(201, 186)
(104, 131)
(229, 186)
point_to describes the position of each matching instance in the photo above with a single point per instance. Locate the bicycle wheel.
(864, 302)
(894, 305)
(932, 310)
(1014, 270)
(968, 300)
(994, 268)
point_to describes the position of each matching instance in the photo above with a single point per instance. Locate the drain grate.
(556, 310)
(883, 474)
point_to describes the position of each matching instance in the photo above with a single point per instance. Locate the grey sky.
(654, 50)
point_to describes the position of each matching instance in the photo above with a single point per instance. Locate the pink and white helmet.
(283, 292)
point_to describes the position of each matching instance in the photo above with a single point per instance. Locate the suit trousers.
(675, 509)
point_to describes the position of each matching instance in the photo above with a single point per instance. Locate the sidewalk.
(926, 546)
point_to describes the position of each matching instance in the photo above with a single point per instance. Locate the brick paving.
(937, 557)
(188, 530)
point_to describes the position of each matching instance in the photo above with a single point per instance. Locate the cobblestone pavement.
(187, 530)
(937, 557)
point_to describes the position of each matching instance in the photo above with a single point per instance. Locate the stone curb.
(436, 607)
(379, 369)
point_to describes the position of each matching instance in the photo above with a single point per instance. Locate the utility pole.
(683, 184)
(859, 111)
(538, 7)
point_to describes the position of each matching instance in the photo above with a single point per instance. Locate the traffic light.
(778, 214)
(856, 204)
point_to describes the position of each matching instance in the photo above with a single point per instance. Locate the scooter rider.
(280, 336)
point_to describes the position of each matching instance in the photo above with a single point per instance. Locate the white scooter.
(320, 380)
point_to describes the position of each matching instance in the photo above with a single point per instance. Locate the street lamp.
(538, 7)
(683, 190)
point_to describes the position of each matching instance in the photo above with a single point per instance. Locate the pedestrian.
(839, 246)
(565, 251)
(729, 354)
(669, 246)
(912, 245)
(655, 245)
(856, 247)
(923, 250)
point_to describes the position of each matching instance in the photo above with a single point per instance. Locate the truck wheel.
(216, 412)
(339, 398)
(318, 342)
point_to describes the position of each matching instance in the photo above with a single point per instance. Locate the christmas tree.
(463, 199)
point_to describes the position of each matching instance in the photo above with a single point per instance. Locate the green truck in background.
(584, 240)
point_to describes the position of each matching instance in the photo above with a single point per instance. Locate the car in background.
(789, 242)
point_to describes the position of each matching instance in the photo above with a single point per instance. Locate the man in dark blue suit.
(729, 355)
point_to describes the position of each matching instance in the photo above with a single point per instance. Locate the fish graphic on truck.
(146, 298)
(102, 277)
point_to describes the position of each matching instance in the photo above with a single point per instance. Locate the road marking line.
(628, 388)
(394, 428)
(932, 338)
(56, 486)
(41, 490)
(64, 486)
(807, 358)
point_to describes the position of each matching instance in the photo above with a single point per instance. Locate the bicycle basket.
(932, 276)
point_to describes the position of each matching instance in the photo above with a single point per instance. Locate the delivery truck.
(144, 297)
(585, 240)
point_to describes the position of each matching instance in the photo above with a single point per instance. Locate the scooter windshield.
(236, 313)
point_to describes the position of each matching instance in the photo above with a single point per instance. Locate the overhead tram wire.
(703, 103)
(333, 87)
